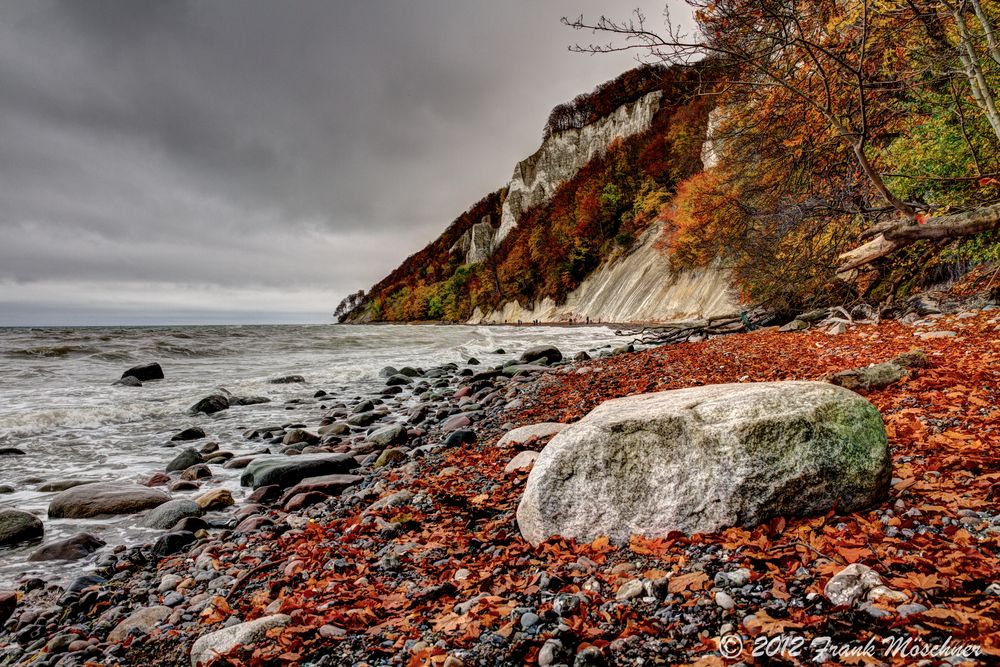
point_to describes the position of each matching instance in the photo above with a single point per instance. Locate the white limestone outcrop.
(564, 153)
(640, 286)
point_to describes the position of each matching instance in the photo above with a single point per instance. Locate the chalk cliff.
(573, 235)
(639, 286)
(564, 153)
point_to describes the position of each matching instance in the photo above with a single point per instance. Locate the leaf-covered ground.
(443, 578)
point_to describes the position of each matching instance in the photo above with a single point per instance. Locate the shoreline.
(420, 560)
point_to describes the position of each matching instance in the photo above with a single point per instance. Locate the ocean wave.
(53, 351)
(169, 349)
(115, 355)
(40, 421)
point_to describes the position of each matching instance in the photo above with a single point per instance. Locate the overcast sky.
(254, 161)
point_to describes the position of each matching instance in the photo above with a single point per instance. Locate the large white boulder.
(706, 458)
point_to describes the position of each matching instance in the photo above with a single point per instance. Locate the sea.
(59, 404)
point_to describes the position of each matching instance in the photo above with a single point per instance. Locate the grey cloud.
(251, 144)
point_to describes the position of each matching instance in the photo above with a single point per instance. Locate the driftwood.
(680, 332)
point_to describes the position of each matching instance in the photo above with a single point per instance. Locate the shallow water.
(57, 402)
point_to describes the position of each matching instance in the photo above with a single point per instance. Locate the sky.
(240, 161)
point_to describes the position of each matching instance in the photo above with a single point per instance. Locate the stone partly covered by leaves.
(707, 458)
(218, 643)
(881, 375)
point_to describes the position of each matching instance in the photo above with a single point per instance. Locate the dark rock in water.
(472, 361)
(391, 391)
(193, 433)
(63, 484)
(265, 494)
(210, 405)
(410, 372)
(288, 470)
(581, 356)
(238, 463)
(250, 400)
(288, 379)
(319, 393)
(363, 419)
(6, 488)
(17, 526)
(209, 448)
(8, 603)
(397, 380)
(157, 479)
(169, 513)
(90, 500)
(171, 543)
(185, 460)
(363, 406)
(72, 548)
(216, 499)
(128, 381)
(299, 435)
(533, 354)
(145, 372)
(11, 451)
(218, 458)
(460, 437)
(387, 372)
(183, 485)
(190, 524)
(195, 472)
(499, 350)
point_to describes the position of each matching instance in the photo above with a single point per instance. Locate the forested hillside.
(594, 215)
(855, 155)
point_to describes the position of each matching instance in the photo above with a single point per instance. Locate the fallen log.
(892, 236)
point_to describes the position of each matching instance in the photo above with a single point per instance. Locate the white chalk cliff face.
(477, 243)
(564, 153)
(638, 287)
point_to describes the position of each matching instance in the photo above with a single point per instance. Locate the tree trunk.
(902, 234)
(991, 40)
(876, 179)
(980, 89)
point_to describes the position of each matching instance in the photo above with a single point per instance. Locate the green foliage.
(979, 249)
(435, 309)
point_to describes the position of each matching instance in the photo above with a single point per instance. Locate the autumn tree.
(834, 66)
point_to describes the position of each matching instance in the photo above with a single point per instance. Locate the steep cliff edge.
(564, 153)
(573, 234)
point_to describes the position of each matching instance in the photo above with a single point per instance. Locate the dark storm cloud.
(258, 156)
